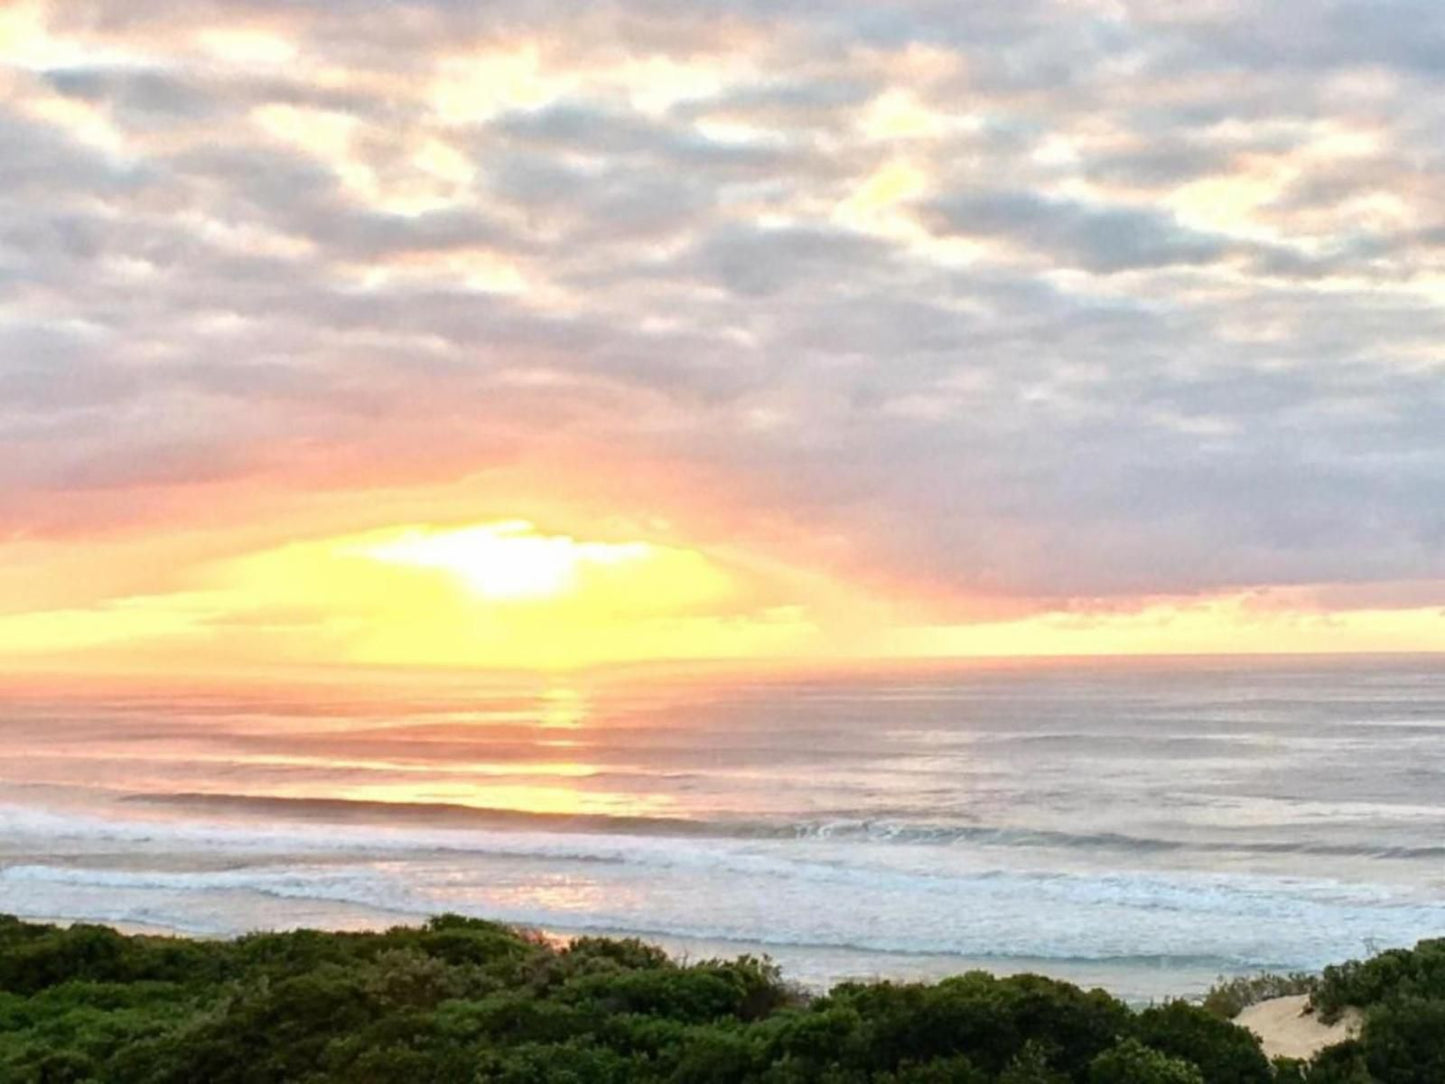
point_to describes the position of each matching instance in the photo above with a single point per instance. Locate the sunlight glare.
(506, 561)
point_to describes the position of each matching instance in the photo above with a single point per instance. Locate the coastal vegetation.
(1229, 997)
(463, 1001)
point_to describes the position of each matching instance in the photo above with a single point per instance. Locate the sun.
(501, 594)
(507, 561)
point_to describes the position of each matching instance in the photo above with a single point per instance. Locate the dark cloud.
(752, 262)
(1403, 35)
(1161, 164)
(1103, 239)
(597, 204)
(35, 159)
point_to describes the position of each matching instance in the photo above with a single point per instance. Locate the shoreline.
(815, 969)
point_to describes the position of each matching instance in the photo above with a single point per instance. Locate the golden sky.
(439, 335)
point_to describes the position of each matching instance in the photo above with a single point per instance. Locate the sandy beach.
(130, 929)
(1287, 1030)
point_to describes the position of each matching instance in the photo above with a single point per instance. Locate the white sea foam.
(898, 900)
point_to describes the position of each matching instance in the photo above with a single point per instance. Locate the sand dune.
(1285, 1029)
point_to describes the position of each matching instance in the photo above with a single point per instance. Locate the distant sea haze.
(1146, 826)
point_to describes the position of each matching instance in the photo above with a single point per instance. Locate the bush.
(990, 1020)
(1131, 1062)
(1343, 1063)
(1031, 1066)
(1223, 1052)
(459, 1001)
(1230, 997)
(1417, 972)
(1404, 1040)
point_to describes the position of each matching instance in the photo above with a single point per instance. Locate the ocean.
(1145, 826)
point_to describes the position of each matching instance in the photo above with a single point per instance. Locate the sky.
(528, 334)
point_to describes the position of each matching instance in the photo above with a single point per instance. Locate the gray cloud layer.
(1031, 298)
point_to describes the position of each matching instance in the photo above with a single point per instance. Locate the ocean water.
(1143, 826)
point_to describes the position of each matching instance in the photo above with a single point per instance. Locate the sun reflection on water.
(562, 708)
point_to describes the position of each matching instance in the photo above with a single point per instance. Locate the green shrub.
(1224, 1053)
(1228, 998)
(1131, 1062)
(1031, 1066)
(460, 1001)
(1343, 1063)
(1404, 1040)
(1417, 972)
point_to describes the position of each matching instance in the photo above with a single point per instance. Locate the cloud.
(752, 262)
(1129, 299)
(1073, 234)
